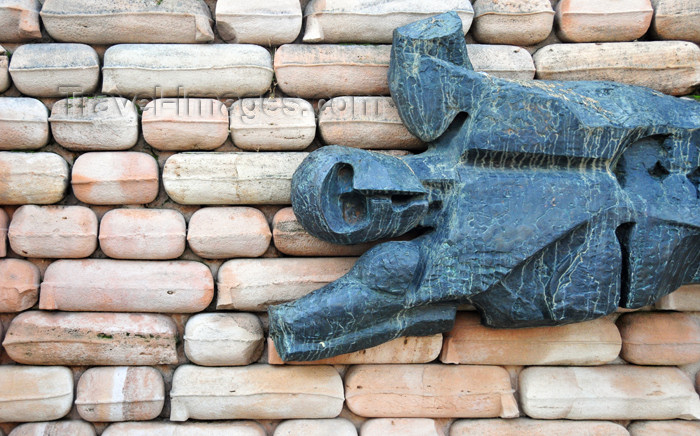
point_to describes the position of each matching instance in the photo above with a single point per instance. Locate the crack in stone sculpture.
(543, 203)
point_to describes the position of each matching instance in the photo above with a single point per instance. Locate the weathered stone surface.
(72, 428)
(505, 61)
(120, 393)
(401, 427)
(55, 70)
(602, 20)
(266, 124)
(88, 338)
(165, 70)
(265, 22)
(95, 123)
(412, 349)
(316, 427)
(230, 178)
(4, 74)
(19, 20)
(125, 177)
(24, 123)
(106, 285)
(19, 285)
(143, 234)
(224, 339)
(325, 70)
(178, 124)
(686, 298)
(238, 428)
(429, 391)
(31, 393)
(53, 231)
(676, 19)
(254, 284)
(4, 222)
(32, 178)
(607, 392)
(532, 427)
(225, 232)
(372, 22)
(523, 22)
(591, 343)
(671, 67)
(256, 392)
(664, 428)
(653, 338)
(113, 22)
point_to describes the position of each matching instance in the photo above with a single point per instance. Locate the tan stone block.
(237, 428)
(114, 22)
(24, 123)
(429, 391)
(686, 298)
(373, 22)
(179, 124)
(58, 428)
(224, 339)
(89, 338)
(19, 20)
(256, 392)
(401, 427)
(225, 232)
(5, 80)
(4, 222)
(55, 70)
(324, 70)
(231, 178)
(532, 427)
(143, 234)
(657, 338)
(267, 124)
(505, 61)
(255, 284)
(32, 178)
(53, 231)
(523, 22)
(672, 67)
(120, 393)
(214, 70)
(316, 427)
(95, 123)
(32, 393)
(106, 285)
(615, 392)
(602, 20)
(676, 19)
(264, 22)
(588, 343)
(19, 285)
(106, 178)
(411, 349)
(664, 428)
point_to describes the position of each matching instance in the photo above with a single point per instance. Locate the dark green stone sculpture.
(542, 203)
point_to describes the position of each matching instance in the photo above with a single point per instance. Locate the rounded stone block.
(32, 393)
(429, 391)
(505, 61)
(4, 223)
(151, 234)
(237, 428)
(171, 70)
(523, 22)
(24, 123)
(19, 285)
(664, 428)
(55, 70)
(231, 178)
(110, 178)
(672, 67)
(88, 338)
(686, 299)
(255, 284)
(316, 427)
(401, 427)
(532, 427)
(267, 124)
(655, 338)
(19, 20)
(58, 428)
(105, 285)
(32, 178)
(113, 22)
(256, 392)
(4, 74)
(120, 393)
(676, 19)
(225, 232)
(180, 124)
(224, 339)
(602, 20)
(265, 22)
(95, 123)
(53, 231)
(325, 70)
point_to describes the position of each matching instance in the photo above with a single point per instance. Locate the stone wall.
(144, 234)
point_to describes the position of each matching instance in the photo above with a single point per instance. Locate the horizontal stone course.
(224, 339)
(32, 393)
(19, 20)
(533, 427)
(264, 22)
(32, 178)
(67, 427)
(602, 20)
(24, 123)
(659, 338)
(19, 285)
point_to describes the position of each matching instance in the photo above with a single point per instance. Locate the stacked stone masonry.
(146, 155)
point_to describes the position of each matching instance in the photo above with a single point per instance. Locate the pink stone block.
(535, 427)
(664, 428)
(57, 428)
(659, 338)
(19, 285)
(226, 232)
(153, 428)
(602, 20)
(316, 427)
(401, 427)
(4, 221)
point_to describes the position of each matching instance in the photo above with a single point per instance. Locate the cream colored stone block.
(4, 74)
(58, 428)
(265, 22)
(19, 20)
(32, 393)
(505, 61)
(522, 22)
(316, 427)
(19, 285)
(32, 178)
(4, 223)
(657, 338)
(24, 123)
(237, 428)
(401, 427)
(686, 298)
(225, 232)
(533, 427)
(224, 339)
(602, 20)
(676, 19)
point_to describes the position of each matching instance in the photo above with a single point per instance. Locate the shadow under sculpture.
(543, 203)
